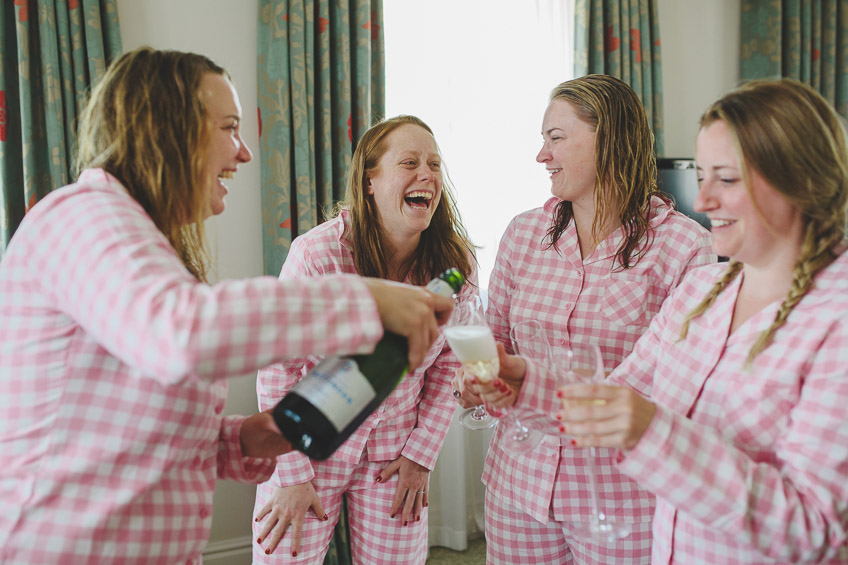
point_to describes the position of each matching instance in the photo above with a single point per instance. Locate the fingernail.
(559, 394)
(558, 416)
(418, 518)
(573, 442)
(294, 554)
(258, 540)
(404, 522)
(379, 479)
(268, 551)
(392, 516)
(326, 517)
(562, 430)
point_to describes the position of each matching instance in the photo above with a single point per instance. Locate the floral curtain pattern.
(321, 84)
(52, 52)
(806, 40)
(621, 38)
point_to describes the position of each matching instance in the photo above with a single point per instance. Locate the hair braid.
(816, 254)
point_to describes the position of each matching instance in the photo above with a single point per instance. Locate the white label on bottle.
(336, 388)
(440, 287)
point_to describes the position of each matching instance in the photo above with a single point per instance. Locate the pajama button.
(219, 408)
(204, 512)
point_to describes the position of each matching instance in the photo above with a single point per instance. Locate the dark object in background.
(679, 179)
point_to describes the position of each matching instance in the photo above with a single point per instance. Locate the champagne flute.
(583, 363)
(474, 345)
(529, 341)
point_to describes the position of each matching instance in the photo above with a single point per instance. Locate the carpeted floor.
(474, 555)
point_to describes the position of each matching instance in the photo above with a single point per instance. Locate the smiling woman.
(398, 221)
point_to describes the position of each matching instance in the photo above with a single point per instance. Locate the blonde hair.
(789, 135)
(443, 244)
(145, 123)
(625, 162)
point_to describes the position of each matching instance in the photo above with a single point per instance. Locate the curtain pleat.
(621, 38)
(321, 85)
(53, 51)
(806, 40)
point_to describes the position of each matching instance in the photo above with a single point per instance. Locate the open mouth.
(227, 175)
(419, 199)
(552, 172)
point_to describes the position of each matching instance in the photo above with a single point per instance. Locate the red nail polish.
(558, 416)
(294, 554)
(379, 480)
(404, 522)
(258, 540)
(326, 517)
(562, 430)
(392, 516)
(267, 552)
(559, 394)
(573, 442)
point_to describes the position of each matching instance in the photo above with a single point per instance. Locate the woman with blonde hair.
(594, 264)
(398, 222)
(114, 349)
(733, 409)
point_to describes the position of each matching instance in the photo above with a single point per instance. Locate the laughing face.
(568, 153)
(226, 147)
(754, 225)
(407, 182)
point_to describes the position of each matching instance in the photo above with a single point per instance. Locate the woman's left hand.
(413, 488)
(603, 415)
(260, 437)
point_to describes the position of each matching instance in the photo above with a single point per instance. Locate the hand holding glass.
(582, 363)
(474, 345)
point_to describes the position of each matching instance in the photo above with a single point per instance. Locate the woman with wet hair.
(593, 265)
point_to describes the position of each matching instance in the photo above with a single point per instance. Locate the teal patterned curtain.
(621, 38)
(51, 52)
(806, 40)
(321, 70)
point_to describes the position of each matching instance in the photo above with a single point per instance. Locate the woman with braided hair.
(733, 410)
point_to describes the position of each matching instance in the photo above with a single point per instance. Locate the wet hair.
(145, 123)
(443, 244)
(790, 136)
(625, 162)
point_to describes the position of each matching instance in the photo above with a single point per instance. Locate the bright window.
(479, 73)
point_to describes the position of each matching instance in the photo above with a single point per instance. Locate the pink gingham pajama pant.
(513, 538)
(376, 538)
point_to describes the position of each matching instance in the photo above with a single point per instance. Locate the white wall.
(700, 51)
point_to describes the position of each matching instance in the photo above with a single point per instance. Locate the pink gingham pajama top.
(112, 366)
(412, 421)
(592, 302)
(749, 465)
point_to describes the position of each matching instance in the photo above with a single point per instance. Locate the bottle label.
(440, 287)
(337, 388)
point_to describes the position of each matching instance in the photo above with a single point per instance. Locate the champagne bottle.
(322, 410)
